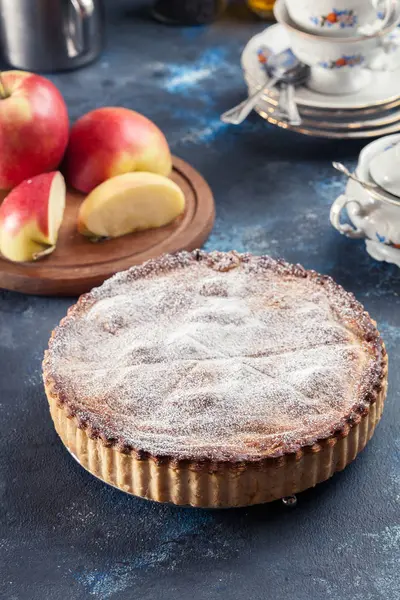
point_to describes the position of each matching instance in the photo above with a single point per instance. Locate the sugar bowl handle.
(344, 228)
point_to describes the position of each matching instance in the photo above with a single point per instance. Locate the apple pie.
(216, 379)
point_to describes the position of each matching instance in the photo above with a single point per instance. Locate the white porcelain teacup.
(335, 17)
(338, 65)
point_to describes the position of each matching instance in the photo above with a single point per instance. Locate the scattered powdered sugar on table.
(210, 360)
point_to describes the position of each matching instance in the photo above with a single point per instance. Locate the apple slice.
(30, 217)
(130, 202)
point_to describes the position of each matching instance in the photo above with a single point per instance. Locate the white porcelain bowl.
(338, 65)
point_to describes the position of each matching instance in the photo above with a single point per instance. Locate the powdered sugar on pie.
(219, 356)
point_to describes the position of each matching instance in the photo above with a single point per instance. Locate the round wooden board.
(78, 264)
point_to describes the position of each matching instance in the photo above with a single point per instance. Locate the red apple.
(112, 141)
(33, 127)
(30, 217)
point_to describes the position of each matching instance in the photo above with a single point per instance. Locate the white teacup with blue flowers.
(336, 17)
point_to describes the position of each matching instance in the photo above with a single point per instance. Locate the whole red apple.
(33, 127)
(112, 141)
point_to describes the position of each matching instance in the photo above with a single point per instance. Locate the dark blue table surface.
(65, 535)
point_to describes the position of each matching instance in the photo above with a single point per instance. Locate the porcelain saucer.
(357, 123)
(345, 130)
(385, 88)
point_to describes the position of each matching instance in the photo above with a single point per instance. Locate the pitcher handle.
(78, 26)
(344, 228)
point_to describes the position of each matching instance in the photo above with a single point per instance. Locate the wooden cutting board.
(78, 264)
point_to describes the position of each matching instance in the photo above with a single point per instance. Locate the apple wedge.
(30, 217)
(130, 202)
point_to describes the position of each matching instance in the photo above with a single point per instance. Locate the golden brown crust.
(217, 484)
(371, 388)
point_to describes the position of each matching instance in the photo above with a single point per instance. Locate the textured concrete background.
(66, 536)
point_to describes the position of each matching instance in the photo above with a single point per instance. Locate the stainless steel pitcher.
(50, 35)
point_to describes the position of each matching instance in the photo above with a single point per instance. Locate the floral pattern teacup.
(335, 17)
(338, 65)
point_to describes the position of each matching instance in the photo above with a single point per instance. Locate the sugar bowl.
(373, 212)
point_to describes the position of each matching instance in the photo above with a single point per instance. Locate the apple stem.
(3, 90)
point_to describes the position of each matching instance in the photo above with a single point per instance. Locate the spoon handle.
(281, 109)
(291, 106)
(374, 190)
(238, 114)
(342, 169)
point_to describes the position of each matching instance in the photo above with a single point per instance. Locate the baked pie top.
(215, 356)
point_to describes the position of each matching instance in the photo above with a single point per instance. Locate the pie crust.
(305, 360)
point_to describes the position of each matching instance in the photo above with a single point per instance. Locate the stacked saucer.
(343, 98)
(373, 203)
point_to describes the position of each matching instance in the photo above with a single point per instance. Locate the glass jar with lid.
(262, 8)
